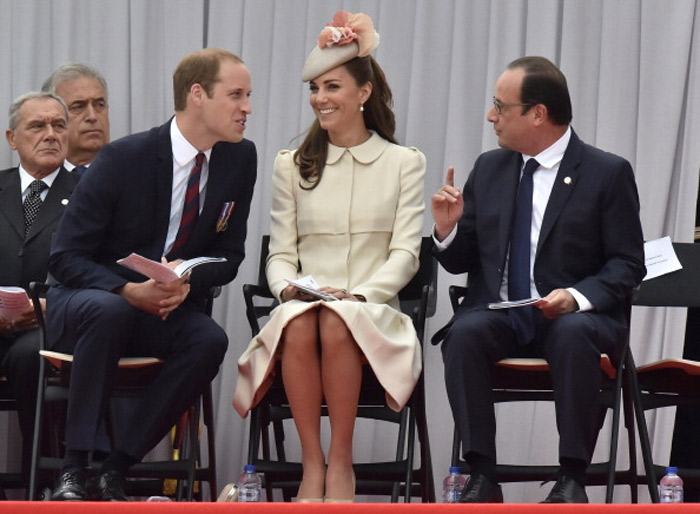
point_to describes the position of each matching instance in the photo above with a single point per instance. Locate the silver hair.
(34, 95)
(72, 71)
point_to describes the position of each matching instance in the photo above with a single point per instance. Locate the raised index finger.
(450, 180)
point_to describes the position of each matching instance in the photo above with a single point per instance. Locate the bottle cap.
(455, 469)
(672, 469)
(249, 467)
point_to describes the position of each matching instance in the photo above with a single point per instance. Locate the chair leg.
(36, 439)
(628, 403)
(208, 413)
(614, 441)
(642, 429)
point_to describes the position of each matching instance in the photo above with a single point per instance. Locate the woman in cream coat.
(347, 210)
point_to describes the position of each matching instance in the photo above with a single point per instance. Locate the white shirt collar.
(70, 166)
(550, 157)
(25, 178)
(183, 151)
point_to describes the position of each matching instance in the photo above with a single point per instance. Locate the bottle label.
(452, 496)
(248, 495)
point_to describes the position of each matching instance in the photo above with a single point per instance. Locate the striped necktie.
(190, 213)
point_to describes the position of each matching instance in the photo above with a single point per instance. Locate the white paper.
(660, 258)
(308, 285)
(509, 304)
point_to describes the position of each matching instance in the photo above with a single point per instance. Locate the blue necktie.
(80, 169)
(519, 257)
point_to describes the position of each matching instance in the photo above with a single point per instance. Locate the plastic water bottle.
(249, 485)
(159, 499)
(671, 486)
(452, 485)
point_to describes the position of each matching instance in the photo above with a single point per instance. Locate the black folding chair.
(133, 376)
(671, 382)
(519, 379)
(373, 478)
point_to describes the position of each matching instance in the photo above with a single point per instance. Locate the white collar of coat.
(364, 153)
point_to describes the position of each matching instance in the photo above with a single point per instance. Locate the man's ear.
(10, 136)
(197, 94)
(541, 113)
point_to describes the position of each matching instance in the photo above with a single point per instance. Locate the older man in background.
(84, 90)
(33, 197)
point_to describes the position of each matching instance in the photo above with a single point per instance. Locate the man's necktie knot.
(32, 204)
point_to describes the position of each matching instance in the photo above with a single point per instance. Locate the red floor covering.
(359, 508)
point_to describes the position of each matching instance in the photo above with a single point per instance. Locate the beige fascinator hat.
(346, 37)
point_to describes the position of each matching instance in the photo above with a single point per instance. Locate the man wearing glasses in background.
(546, 216)
(84, 90)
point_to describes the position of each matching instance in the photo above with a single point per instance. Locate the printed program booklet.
(159, 271)
(13, 302)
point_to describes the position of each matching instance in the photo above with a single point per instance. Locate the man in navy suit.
(38, 131)
(582, 251)
(133, 201)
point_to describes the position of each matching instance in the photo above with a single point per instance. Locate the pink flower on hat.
(347, 27)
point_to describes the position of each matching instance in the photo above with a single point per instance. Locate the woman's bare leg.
(301, 375)
(341, 376)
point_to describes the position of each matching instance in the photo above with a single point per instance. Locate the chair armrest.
(254, 312)
(37, 291)
(457, 294)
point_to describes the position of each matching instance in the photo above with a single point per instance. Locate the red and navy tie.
(191, 211)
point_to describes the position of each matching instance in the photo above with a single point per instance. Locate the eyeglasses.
(499, 106)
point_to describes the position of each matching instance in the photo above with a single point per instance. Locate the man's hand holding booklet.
(162, 272)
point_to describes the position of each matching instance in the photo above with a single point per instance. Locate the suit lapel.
(11, 200)
(510, 177)
(55, 202)
(564, 185)
(164, 187)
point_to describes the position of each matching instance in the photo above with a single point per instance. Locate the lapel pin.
(567, 181)
(64, 201)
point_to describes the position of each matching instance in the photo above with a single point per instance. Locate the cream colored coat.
(359, 229)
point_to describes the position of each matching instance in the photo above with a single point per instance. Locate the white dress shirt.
(25, 179)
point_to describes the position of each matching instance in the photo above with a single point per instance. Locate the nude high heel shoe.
(351, 500)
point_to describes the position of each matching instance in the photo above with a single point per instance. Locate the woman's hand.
(343, 294)
(293, 293)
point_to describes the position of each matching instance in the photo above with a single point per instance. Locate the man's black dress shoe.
(480, 489)
(566, 490)
(110, 487)
(70, 486)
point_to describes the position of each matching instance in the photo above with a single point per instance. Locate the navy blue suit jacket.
(591, 236)
(122, 205)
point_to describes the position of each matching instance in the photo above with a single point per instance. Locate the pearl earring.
(362, 108)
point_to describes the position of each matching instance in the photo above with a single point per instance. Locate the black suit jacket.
(122, 205)
(591, 236)
(25, 260)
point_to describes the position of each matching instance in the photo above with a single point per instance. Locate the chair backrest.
(410, 296)
(264, 252)
(677, 289)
